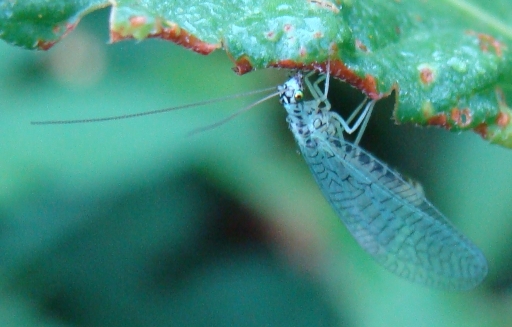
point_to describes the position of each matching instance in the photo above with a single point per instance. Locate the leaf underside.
(448, 61)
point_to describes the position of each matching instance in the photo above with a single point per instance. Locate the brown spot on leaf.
(45, 45)
(482, 130)
(137, 21)
(426, 75)
(287, 27)
(439, 120)
(317, 35)
(462, 117)
(242, 66)
(503, 119)
(486, 41)
(360, 45)
(326, 5)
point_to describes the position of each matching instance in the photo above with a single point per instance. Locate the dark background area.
(134, 223)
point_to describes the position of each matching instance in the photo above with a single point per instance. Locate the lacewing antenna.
(225, 120)
(152, 112)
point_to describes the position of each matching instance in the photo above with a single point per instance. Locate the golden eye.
(298, 95)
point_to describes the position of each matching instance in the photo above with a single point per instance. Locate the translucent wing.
(391, 219)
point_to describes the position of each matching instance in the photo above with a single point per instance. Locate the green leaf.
(448, 61)
(39, 24)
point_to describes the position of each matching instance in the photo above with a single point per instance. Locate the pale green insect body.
(390, 218)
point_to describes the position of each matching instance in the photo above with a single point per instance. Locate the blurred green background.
(133, 223)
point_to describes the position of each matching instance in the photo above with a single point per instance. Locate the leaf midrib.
(483, 16)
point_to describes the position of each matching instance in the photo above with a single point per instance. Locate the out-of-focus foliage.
(132, 223)
(448, 61)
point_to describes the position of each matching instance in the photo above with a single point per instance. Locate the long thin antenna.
(152, 112)
(225, 120)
